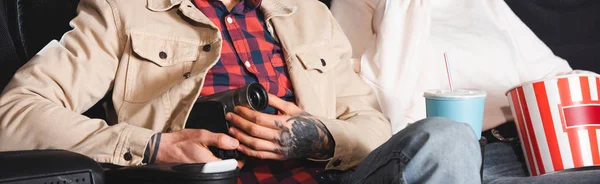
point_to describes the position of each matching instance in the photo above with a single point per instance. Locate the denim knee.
(445, 129)
(451, 153)
(455, 140)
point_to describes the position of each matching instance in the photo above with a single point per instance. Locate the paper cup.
(465, 106)
(558, 121)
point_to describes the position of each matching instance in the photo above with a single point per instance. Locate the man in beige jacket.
(158, 56)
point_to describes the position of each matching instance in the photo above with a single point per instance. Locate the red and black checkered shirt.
(251, 54)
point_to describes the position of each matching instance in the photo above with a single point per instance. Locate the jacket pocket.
(156, 64)
(318, 59)
(320, 73)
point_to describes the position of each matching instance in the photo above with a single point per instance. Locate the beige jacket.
(115, 45)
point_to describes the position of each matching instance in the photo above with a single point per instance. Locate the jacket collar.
(162, 5)
(270, 8)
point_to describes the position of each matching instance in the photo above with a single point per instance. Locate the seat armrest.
(49, 166)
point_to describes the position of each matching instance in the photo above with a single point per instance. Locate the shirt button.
(247, 64)
(337, 163)
(169, 130)
(187, 75)
(229, 20)
(162, 55)
(206, 48)
(127, 156)
(323, 62)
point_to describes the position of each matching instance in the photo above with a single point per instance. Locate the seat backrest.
(41, 21)
(9, 57)
(571, 28)
(327, 2)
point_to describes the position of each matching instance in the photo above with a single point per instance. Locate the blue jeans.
(433, 150)
(504, 163)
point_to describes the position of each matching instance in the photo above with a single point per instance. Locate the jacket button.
(169, 130)
(323, 62)
(187, 75)
(127, 156)
(337, 163)
(206, 48)
(162, 55)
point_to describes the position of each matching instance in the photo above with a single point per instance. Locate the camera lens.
(254, 98)
(257, 96)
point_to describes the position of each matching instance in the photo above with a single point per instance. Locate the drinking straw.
(448, 71)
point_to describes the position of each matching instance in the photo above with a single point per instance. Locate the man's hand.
(191, 146)
(296, 134)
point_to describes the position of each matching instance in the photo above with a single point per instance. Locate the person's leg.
(504, 164)
(433, 150)
(502, 160)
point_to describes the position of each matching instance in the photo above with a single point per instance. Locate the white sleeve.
(392, 63)
(536, 60)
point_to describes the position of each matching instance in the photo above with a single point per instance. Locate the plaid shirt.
(251, 54)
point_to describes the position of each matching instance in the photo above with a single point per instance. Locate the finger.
(218, 140)
(251, 128)
(260, 154)
(254, 143)
(256, 117)
(284, 106)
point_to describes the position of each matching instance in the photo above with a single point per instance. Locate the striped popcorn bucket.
(558, 121)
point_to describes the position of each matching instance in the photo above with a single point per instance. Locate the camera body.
(209, 112)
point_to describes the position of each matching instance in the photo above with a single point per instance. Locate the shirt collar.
(251, 4)
(164, 5)
(244, 6)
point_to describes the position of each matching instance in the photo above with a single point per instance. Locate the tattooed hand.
(295, 134)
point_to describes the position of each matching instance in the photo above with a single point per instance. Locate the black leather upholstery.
(42, 21)
(328, 2)
(9, 57)
(571, 28)
(49, 166)
(169, 173)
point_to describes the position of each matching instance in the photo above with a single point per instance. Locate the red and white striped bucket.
(558, 120)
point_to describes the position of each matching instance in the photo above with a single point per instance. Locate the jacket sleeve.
(42, 105)
(360, 127)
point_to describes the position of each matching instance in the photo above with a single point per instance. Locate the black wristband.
(150, 156)
(156, 146)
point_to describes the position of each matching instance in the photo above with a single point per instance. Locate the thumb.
(284, 106)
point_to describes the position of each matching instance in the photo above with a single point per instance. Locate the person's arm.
(388, 38)
(41, 107)
(360, 126)
(533, 60)
(536, 59)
